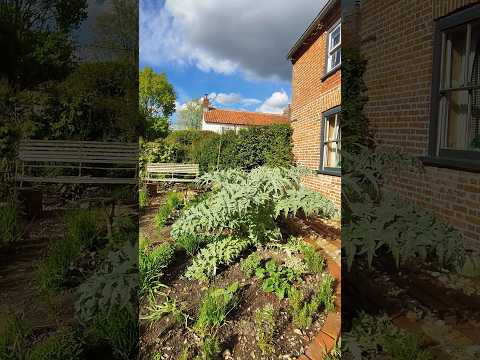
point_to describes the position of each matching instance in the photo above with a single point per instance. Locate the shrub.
(208, 260)
(250, 264)
(151, 265)
(173, 201)
(63, 345)
(215, 306)
(8, 223)
(265, 328)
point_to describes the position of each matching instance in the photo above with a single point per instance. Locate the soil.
(170, 337)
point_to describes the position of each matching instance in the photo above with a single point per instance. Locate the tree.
(157, 102)
(190, 117)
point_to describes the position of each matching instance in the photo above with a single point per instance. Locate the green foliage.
(404, 231)
(8, 223)
(143, 198)
(475, 144)
(173, 202)
(190, 243)
(250, 264)
(190, 117)
(215, 306)
(243, 204)
(265, 328)
(277, 279)
(375, 337)
(303, 310)
(209, 348)
(151, 266)
(220, 253)
(157, 311)
(334, 354)
(118, 328)
(63, 345)
(155, 152)
(315, 262)
(13, 338)
(250, 148)
(82, 227)
(113, 286)
(306, 200)
(157, 102)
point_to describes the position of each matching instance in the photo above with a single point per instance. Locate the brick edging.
(327, 338)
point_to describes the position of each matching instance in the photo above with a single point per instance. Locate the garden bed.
(261, 323)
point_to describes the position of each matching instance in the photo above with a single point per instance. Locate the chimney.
(205, 103)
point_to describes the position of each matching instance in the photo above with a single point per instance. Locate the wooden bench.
(172, 172)
(91, 162)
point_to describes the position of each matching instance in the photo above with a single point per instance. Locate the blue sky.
(233, 50)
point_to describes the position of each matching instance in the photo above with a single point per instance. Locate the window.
(455, 128)
(334, 51)
(331, 142)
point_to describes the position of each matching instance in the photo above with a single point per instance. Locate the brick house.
(316, 96)
(423, 80)
(221, 120)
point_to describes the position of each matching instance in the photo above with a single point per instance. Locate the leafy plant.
(250, 264)
(216, 254)
(113, 286)
(63, 345)
(215, 306)
(276, 278)
(209, 348)
(157, 311)
(265, 328)
(190, 243)
(244, 204)
(8, 223)
(315, 262)
(151, 265)
(372, 337)
(82, 227)
(406, 232)
(173, 202)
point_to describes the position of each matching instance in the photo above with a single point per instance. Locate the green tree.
(190, 117)
(157, 102)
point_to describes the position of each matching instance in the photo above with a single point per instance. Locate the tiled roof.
(219, 116)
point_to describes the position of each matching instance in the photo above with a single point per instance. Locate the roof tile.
(220, 116)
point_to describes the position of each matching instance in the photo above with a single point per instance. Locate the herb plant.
(277, 279)
(250, 264)
(265, 328)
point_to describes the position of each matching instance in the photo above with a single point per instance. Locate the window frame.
(328, 51)
(335, 171)
(440, 157)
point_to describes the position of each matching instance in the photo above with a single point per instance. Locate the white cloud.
(275, 104)
(247, 36)
(231, 99)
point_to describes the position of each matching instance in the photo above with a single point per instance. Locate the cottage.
(316, 99)
(423, 80)
(221, 120)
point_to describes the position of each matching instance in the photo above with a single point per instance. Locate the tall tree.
(190, 117)
(157, 102)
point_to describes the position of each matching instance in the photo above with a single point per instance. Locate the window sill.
(329, 172)
(330, 73)
(451, 163)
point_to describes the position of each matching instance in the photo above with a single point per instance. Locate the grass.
(215, 306)
(314, 261)
(190, 243)
(81, 233)
(63, 345)
(143, 198)
(13, 338)
(8, 223)
(173, 201)
(155, 312)
(265, 328)
(151, 265)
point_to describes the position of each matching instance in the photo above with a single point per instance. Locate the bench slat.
(77, 180)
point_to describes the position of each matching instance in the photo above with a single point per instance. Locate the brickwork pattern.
(397, 38)
(311, 96)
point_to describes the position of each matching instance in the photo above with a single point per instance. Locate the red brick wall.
(397, 38)
(310, 98)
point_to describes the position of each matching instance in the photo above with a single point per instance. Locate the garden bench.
(85, 162)
(172, 172)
